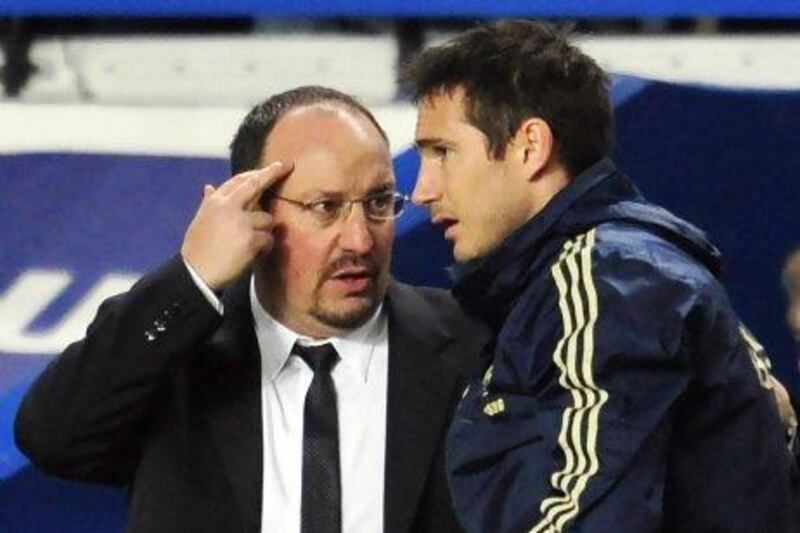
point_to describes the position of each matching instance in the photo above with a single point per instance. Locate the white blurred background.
(180, 85)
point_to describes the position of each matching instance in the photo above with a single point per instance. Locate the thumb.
(207, 190)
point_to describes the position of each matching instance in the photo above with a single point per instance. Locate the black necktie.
(321, 504)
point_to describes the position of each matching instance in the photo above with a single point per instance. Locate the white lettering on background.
(31, 293)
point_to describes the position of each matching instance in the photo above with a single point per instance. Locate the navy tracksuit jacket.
(621, 393)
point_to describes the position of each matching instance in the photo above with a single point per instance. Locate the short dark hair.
(514, 69)
(248, 144)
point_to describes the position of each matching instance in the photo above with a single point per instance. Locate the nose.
(356, 233)
(426, 190)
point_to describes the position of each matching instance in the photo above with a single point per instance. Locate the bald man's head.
(247, 147)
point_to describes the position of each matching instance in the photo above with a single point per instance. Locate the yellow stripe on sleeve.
(579, 433)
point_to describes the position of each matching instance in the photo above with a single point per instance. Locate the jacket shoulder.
(624, 243)
(434, 315)
(436, 306)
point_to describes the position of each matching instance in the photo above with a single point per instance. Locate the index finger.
(258, 181)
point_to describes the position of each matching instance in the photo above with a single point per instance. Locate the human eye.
(380, 204)
(325, 208)
(441, 152)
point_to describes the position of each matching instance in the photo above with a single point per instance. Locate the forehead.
(442, 115)
(331, 147)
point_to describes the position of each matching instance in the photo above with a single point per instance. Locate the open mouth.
(353, 279)
(447, 225)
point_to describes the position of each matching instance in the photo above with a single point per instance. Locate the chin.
(347, 315)
(476, 248)
(463, 254)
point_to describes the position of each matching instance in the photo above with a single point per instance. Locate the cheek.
(302, 263)
(468, 193)
(384, 241)
(468, 181)
(455, 190)
(304, 257)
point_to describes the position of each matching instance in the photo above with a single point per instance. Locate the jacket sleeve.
(569, 429)
(86, 415)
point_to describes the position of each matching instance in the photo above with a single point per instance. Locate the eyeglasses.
(378, 207)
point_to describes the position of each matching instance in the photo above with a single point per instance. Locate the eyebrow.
(379, 188)
(383, 187)
(421, 144)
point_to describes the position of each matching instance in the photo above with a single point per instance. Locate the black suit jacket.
(163, 397)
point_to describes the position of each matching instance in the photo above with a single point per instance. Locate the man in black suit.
(271, 377)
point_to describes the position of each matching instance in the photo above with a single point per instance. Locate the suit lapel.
(234, 403)
(420, 392)
(421, 389)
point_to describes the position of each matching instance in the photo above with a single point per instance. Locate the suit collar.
(234, 402)
(420, 393)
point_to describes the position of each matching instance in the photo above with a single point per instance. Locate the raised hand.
(229, 229)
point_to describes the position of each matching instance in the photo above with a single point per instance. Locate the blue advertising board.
(407, 8)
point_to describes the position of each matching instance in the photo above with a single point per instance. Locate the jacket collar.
(487, 284)
(490, 285)
(232, 387)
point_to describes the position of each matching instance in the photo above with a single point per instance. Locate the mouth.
(353, 280)
(447, 224)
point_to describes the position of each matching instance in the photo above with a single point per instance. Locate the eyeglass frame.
(344, 212)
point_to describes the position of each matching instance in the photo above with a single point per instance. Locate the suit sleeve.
(87, 414)
(585, 372)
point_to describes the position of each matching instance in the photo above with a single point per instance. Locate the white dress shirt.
(360, 379)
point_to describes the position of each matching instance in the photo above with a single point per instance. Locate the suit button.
(175, 309)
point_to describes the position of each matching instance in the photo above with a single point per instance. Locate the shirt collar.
(275, 341)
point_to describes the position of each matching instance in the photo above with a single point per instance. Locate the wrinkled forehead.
(332, 147)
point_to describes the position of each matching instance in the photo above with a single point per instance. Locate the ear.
(533, 145)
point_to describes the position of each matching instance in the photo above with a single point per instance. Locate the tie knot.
(320, 358)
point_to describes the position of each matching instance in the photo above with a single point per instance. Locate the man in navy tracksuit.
(621, 392)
